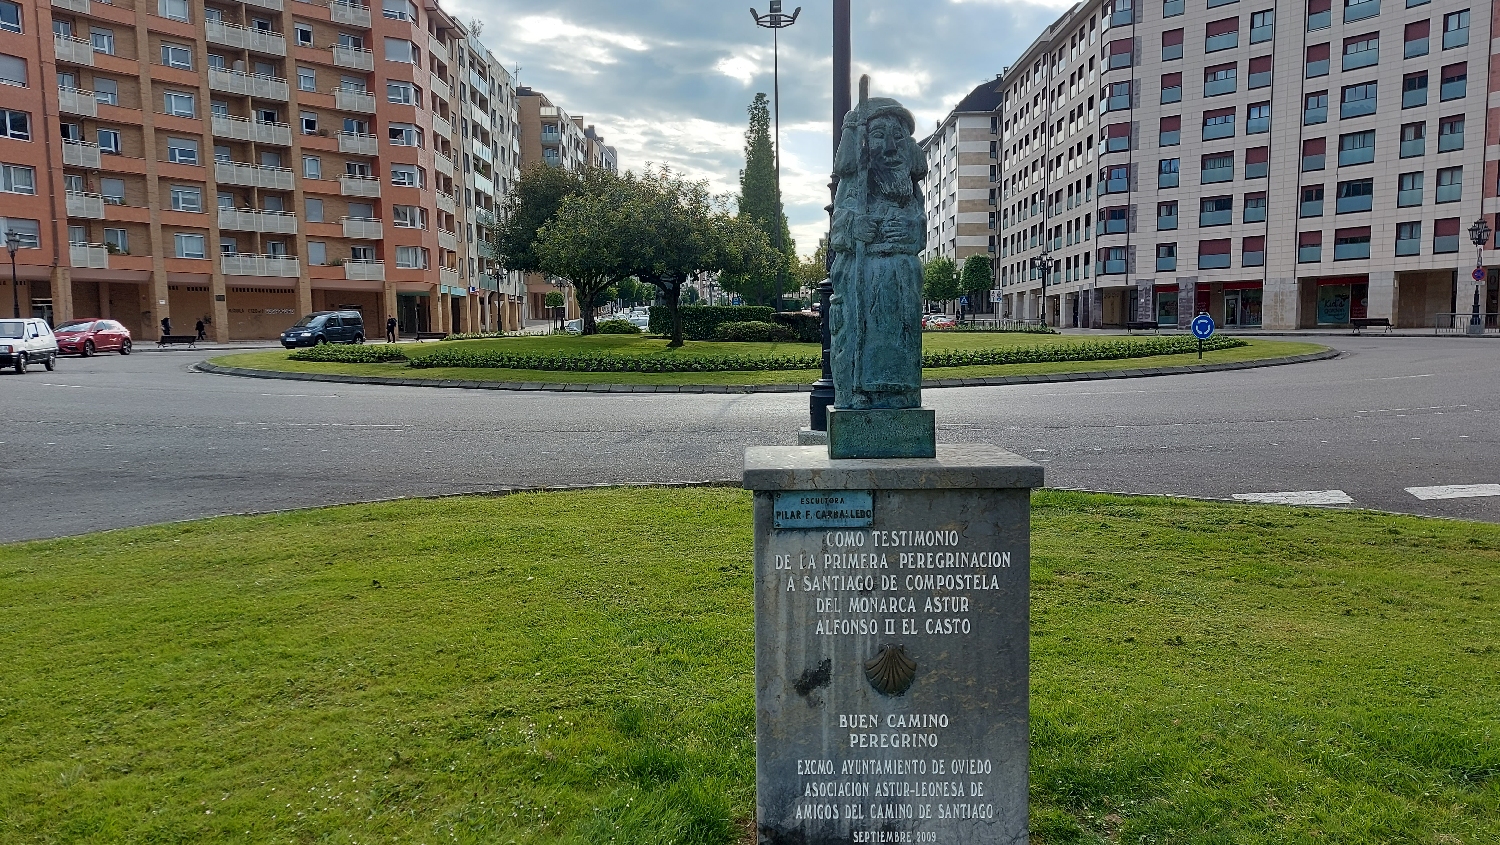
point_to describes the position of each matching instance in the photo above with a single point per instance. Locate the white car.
(640, 321)
(27, 341)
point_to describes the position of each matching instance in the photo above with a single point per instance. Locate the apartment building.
(1275, 164)
(491, 164)
(960, 193)
(242, 163)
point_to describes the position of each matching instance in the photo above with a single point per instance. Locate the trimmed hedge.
(754, 333)
(331, 354)
(807, 327)
(1096, 350)
(700, 321)
(618, 327)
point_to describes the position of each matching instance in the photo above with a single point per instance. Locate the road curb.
(985, 381)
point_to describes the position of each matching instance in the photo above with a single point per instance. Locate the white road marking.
(1454, 491)
(1300, 497)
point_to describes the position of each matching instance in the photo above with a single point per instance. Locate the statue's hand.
(894, 229)
(866, 228)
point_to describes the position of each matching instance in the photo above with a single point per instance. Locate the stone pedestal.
(891, 645)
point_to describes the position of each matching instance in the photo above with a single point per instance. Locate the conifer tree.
(758, 199)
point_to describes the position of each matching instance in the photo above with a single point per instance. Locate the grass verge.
(276, 360)
(577, 668)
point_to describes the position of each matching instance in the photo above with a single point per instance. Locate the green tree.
(586, 240)
(554, 300)
(975, 278)
(759, 198)
(940, 280)
(811, 271)
(748, 260)
(676, 241)
(533, 201)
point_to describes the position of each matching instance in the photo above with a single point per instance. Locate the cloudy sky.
(668, 81)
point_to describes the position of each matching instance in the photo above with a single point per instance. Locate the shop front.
(1231, 304)
(1338, 299)
(1166, 305)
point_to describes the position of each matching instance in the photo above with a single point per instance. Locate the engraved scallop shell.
(890, 671)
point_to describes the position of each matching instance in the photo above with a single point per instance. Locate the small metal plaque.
(824, 509)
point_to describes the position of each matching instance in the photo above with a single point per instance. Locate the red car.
(85, 337)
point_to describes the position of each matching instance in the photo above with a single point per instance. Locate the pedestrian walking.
(166, 325)
(390, 330)
(199, 328)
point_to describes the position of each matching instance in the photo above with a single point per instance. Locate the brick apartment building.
(1275, 164)
(247, 162)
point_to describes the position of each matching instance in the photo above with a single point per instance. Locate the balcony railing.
(1313, 70)
(447, 240)
(1361, 58)
(1450, 141)
(1414, 48)
(1111, 267)
(247, 84)
(92, 256)
(1314, 115)
(1450, 193)
(1165, 263)
(85, 205)
(1262, 33)
(1257, 169)
(81, 154)
(1214, 262)
(440, 86)
(1319, 20)
(1173, 8)
(80, 6)
(350, 99)
(1215, 218)
(442, 127)
(1214, 131)
(1357, 155)
(253, 176)
(1310, 208)
(250, 220)
(245, 38)
(1255, 214)
(442, 164)
(363, 228)
(1414, 97)
(1260, 79)
(1357, 108)
(244, 129)
(445, 202)
(1454, 90)
(1253, 258)
(356, 144)
(350, 14)
(74, 101)
(353, 57)
(1408, 246)
(450, 277)
(1409, 198)
(1444, 244)
(1352, 203)
(1413, 147)
(74, 50)
(436, 45)
(1455, 38)
(1360, 11)
(1309, 254)
(1223, 41)
(359, 186)
(364, 270)
(1351, 251)
(1166, 222)
(273, 5)
(1312, 162)
(1215, 87)
(1210, 175)
(283, 266)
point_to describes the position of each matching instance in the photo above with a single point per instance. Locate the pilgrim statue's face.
(887, 144)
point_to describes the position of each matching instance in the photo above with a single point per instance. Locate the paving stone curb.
(987, 381)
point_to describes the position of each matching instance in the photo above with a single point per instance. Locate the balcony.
(1450, 141)
(1408, 246)
(479, 117)
(1110, 267)
(1445, 193)
(1255, 213)
(73, 50)
(1353, 203)
(1314, 115)
(442, 164)
(350, 99)
(273, 5)
(1455, 38)
(1312, 162)
(1455, 89)
(253, 176)
(250, 220)
(1257, 125)
(359, 186)
(1444, 244)
(1165, 263)
(245, 38)
(1224, 217)
(1361, 58)
(1163, 180)
(447, 240)
(1413, 97)
(91, 256)
(244, 129)
(1170, 139)
(1309, 254)
(81, 154)
(1173, 8)
(1210, 175)
(1315, 69)
(1257, 169)
(450, 277)
(353, 57)
(1262, 33)
(353, 143)
(1260, 79)
(436, 45)
(440, 87)
(1414, 48)
(1166, 222)
(1214, 262)
(283, 266)
(350, 14)
(80, 6)
(1215, 87)
(1116, 103)
(1310, 208)
(1360, 11)
(1351, 251)
(363, 228)
(247, 84)
(85, 205)
(1413, 147)
(364, 270)
(74, 101)
(1357, 155)
(1356, 108)
(552, 138)
(482, 152)
(1319, 20)
(445, 203)
(1408, 197)
(1223, 41)
(442, 127)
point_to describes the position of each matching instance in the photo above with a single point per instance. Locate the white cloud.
(738, 68)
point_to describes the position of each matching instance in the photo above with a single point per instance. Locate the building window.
(29, 232)
(1450, 184)
(1350, 244)
(1257, 162)
(1171, 45)
(1258, 118)
(1416, 39)
(1319, 15)
(1317, 61)
(307, 79)
(1171, 131)
(1445, 235)
(1255, 208)
(118, 240)
(303, 33)
(1455, 81)
(103, 40)
(1456, 30)
(1450, 134)
(404, 175)
(1312, 201)
(312, 167)
(10, 16)
(109, 141)
(15, 125)
(106, 91)
(1253, 254)
(1414, 90)
(309, 122)
(1116, 97)
(1218, 167)
(1260, 72)
(1214, 254)
(317, 253)
(1361, 51)
(1358, 10)
(1166, 172)
(182, 151)
(1355, 195)
(1409, 189)
(1315, 108)
(1221, 35)
(1309, 247)
(1171, 88)
(400, 50)
(185, 198)
(17, 179)
(1357, 148)
(113, 191)
(1262, 26)
(1216, 211)
(411, 258)
(401, 93)
(404, 135)
(408, 217)
(314, 208)
(1166, 216)
(178, 56)
(176, 10)
(1166, 257)
(13, 71)
(1313, 150)
(1218, 124)
(1413, 139)
(189, 246)
(1219, 79)
(1408, 238)
(1357, 100)
(178, 104)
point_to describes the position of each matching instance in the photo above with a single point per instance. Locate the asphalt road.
(115, 441)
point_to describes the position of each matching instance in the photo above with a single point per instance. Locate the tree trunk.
(673, 292)
(584, 294)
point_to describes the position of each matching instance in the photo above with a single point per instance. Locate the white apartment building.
(1274, 164)
(491, 164)
(960, 193)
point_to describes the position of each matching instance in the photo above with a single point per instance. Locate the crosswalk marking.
(1454, 491)
(1299, 497)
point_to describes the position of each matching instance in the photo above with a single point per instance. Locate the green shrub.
(618, 327)
(754, 332)
(699, 321)
(474, 335)
(808, 328)
(331, 354)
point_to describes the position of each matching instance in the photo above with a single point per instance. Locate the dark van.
(325, 327)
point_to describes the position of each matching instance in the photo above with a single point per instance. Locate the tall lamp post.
(823, 390)
(775, 21)
(13, 243)
(1479, 235)
(1043, 264)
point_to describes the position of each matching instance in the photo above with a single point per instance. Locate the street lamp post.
(775, 21)
(1043, 263)
(13, 243)
(823, 390)
(1479, 235)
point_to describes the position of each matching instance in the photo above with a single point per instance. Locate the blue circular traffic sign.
(1203, 327)
(1478, 274)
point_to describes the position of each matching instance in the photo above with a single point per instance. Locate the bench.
(1369, 322)
(1142, 325)
(421, 336)
(173, 339)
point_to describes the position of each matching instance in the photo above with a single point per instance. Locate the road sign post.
(1203, 329)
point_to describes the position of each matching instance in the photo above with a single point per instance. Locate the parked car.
(639, 320)
(27, 341)
(938, 321)
(325, 327)
(573, 326)
(85, 337)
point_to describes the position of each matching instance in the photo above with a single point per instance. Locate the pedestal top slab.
(956, 465)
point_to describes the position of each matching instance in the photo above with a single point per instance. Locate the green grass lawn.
(577, 668)
(637, 345)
